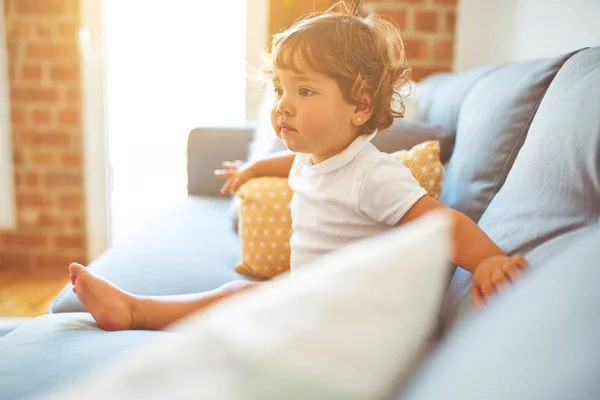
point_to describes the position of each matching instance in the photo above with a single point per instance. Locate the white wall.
(493, 31)
(7, 199)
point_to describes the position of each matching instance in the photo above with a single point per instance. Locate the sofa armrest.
(207, 148)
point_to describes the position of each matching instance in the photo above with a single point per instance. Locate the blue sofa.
(525, 165)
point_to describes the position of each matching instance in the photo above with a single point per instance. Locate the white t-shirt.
(357, 193)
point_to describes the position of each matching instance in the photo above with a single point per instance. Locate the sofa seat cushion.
(189, 248)
(54, 350)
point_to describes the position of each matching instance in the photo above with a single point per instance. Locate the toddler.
(336, 78)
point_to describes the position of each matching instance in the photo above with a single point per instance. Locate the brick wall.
(427, 25)
(45, 94)
(428, 31)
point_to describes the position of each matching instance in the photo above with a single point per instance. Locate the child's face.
(310, 115)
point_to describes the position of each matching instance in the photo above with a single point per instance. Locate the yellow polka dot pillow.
(265, 224)
(423, 160)
(264, 227)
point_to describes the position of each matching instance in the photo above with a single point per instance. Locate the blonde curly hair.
(363, 54)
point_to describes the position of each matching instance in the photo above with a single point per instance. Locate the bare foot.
(110, 306)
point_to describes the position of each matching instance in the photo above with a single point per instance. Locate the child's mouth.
(285, 128)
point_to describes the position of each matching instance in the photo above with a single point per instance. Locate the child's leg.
(114, 309)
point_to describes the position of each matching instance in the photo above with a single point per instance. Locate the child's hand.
(237, 173)
(493, 273)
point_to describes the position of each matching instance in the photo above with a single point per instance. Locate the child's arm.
(473, 250)
(237, 173)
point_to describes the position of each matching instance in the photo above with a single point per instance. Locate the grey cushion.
(554, 184)
(403, 135)
(492, 125)
(537, 342)
(188, 249)
(207, 148)
(57, 349)
(440, 96)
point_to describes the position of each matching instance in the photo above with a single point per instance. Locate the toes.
(74, 270)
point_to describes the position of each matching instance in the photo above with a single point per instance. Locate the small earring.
(359, 119)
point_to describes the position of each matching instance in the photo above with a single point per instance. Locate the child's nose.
(284, 106)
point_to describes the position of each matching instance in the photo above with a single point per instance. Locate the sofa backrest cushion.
(554, 185)
(404, 135)
(492, 125)
(440, 96)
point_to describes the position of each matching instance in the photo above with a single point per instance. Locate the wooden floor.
(27, 293)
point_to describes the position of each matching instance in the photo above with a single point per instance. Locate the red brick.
(443, 50)
(43, 29)
(13, 50)
(67, 29)
(416, 49)
(51, 51)
(71, 159)
(73, 96)
(64, 179)
(32, 179)
(69, 241)
(419, 73)
(26, 239)
(34, 200)
(70, 117)
(397, 16)
(16, 29)
(44, 159)
(15, 260)
(46, 138)
(31, 73)
(17, 116)
(44, 7)
(55, 261)
(65, 73)
(77, 223)
(451, 22)
(18, 158)
(426, 21)
(49, 95)
(71, 201)
(50, 221)
(41, 116)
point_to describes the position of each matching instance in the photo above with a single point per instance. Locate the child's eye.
(306, 92)
(278, 91)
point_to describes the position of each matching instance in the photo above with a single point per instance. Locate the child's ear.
(363, 109)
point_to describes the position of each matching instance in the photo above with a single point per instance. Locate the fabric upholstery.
(187, 249)
(205, 153)
(265, 227)
(321, 333)
(423, 160)
(539, 341)
(55, 350)
(492, 126)
(441, 96)
(554, 184)
(403, 135)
